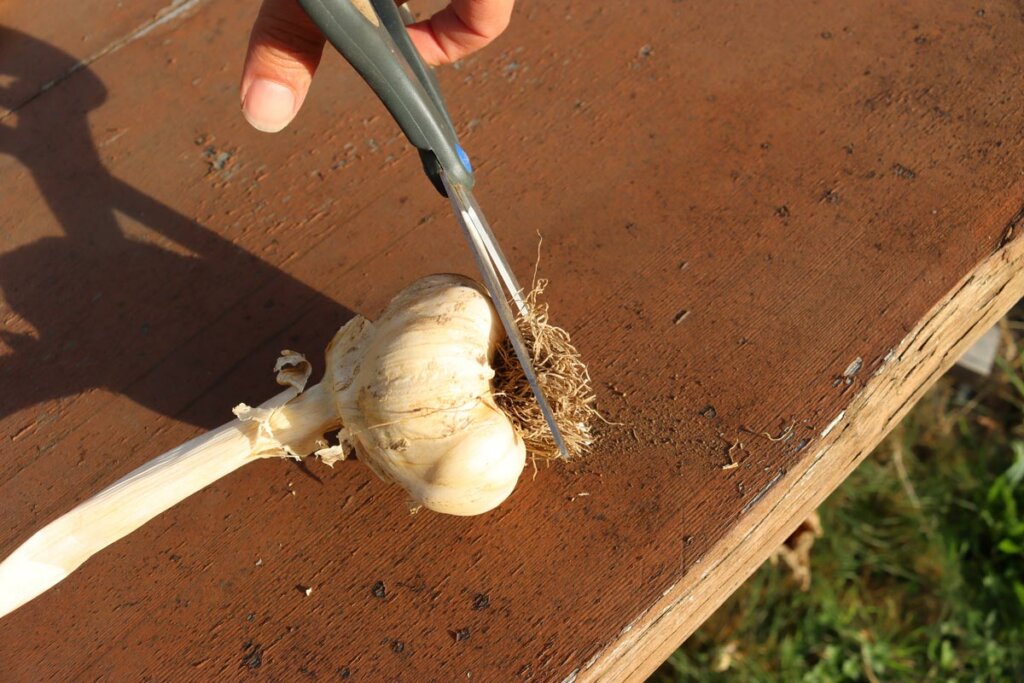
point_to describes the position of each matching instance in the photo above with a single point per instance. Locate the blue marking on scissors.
(464, 158)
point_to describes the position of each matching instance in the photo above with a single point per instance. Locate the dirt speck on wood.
(831, 196)
(903, 172)
(253, 657)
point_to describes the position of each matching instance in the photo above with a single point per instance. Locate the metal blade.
(488, 258)
(465, 203)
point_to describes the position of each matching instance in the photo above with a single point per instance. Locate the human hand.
(285, 47)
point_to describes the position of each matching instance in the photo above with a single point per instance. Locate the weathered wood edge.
(970, 308)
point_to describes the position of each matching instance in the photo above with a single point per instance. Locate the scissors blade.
(491, 263)
(467, 203)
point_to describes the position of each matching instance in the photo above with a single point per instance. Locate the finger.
(462, 27)
(285, 47)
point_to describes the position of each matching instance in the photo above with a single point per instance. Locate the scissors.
(371, 36)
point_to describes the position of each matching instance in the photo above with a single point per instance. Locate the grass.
(920, 573)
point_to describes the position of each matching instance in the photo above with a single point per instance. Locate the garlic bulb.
(414, 395)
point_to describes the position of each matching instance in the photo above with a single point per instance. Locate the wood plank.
(930, 349)
(155, 254)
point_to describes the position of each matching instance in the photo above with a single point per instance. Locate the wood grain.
(811, 184)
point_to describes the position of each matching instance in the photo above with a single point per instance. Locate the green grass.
(920, 573)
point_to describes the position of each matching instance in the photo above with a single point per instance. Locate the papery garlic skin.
(413, 391)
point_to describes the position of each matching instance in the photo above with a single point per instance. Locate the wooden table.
(770, 226)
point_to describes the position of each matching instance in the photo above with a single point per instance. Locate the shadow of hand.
(124, 314)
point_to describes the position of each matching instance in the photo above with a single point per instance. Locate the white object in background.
(980, 357)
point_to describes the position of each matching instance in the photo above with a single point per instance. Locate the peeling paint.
(833, 423)
(629, 627)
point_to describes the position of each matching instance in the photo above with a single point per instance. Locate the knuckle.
(283, 26)
(286, 35)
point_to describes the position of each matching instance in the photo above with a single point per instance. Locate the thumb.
(285, 47)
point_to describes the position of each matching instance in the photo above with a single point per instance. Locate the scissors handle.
(371, 36)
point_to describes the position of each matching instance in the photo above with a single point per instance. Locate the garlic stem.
(60, 547)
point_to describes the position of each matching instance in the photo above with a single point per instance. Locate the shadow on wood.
(119, 311)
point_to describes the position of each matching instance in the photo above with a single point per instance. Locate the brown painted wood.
(812, 184)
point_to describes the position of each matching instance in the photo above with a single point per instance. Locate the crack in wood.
(167, 14)
(1010, 231)
(768, 487)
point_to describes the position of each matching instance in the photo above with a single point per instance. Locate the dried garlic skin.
(414, 394)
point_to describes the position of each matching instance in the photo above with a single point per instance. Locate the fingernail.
(268, 106)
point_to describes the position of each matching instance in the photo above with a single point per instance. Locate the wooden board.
(759, 222)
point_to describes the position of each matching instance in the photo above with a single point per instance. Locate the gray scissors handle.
(371, 36)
